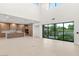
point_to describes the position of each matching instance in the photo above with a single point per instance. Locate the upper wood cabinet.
(20, 27)
(4, 26)
(13, 26)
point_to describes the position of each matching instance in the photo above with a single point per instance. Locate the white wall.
(65, 13)
(27, 11)
(76, 29)
(37, 30)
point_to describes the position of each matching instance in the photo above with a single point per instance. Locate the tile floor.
(29, 46)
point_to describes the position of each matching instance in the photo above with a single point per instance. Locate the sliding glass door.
(51, 31)
(45, 31)
(59, 31)
(69, 31)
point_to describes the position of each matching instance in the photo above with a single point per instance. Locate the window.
(54, 5)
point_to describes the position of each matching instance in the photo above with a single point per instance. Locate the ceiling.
(13, 19)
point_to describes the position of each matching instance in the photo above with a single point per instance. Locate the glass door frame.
(55, 30)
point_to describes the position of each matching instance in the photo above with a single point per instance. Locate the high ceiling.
(13, 19)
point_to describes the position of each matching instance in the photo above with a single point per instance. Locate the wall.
(37, 30)
(64, 13)
(76, 29)
(27, 11)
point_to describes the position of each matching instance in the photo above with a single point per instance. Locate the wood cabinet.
(4, 26)
(28, 29)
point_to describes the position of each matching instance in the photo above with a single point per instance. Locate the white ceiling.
(13, 19)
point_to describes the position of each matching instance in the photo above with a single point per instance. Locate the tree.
(71, 27)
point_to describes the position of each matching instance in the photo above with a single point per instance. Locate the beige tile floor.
(28, 46)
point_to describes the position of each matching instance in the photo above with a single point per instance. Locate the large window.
(54, 5)
(59, 31)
